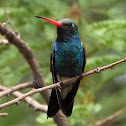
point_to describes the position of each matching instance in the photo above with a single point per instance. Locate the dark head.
(66, 28)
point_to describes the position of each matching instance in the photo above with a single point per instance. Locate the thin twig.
(98, 70)
(3, 114)
(16, 88)
(110, 118)
(30, 101)
(9, 21)
(33, 91)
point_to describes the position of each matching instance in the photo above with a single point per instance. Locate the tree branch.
(9, 21)
(16, 88)
(26, 52)
(3, 114)
(110, 118)
(30, 101)
(28, 55)
(33, 91)
(60, 121)
(57, 85)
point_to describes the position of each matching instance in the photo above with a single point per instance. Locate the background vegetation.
(102, 27)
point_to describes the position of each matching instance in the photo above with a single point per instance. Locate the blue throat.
(69, 56)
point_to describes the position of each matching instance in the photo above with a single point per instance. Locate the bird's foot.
(61, 83)
(60, 86)
(80, 76)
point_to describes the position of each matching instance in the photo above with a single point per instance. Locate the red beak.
(51, 21)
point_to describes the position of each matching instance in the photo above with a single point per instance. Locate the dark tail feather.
(53, 106)
(66, 105)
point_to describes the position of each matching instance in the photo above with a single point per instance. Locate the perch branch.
(33, 91)
(16, 88)
(110, 118)
(3, 114)
(57, 85)
(30, 101)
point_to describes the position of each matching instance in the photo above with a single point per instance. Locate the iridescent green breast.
(68, 58)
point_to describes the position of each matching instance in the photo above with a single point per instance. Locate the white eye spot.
(72, 24)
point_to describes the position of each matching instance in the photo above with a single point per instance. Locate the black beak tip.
(38, 16)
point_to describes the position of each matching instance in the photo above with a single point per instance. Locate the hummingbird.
(67, 60)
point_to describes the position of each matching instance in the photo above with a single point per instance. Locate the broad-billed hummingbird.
(67, 60)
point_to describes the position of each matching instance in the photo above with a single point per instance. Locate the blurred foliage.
(102, 27)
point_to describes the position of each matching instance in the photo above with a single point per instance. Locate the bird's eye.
(70, 24)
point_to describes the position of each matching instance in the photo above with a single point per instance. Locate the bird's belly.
(66, 88)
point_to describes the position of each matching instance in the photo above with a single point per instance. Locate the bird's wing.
(52, 58)
(84, 52)
(52, 64)
(53, 106)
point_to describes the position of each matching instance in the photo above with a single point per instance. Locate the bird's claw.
(60, 86)
(80, 76)
(61, 83)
